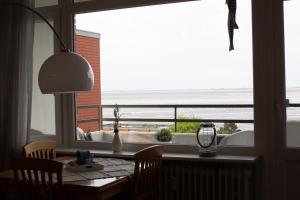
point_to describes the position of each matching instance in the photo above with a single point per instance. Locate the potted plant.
(164, 135)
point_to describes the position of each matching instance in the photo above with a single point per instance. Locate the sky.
(179, 46)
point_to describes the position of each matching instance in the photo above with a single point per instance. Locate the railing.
(175, 120)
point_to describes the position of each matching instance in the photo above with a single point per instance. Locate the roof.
(87, 33)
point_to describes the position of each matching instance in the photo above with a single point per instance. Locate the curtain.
(16, 49)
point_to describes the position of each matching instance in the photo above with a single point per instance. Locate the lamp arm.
(42, 17)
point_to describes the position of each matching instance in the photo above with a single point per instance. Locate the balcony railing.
(174, 119)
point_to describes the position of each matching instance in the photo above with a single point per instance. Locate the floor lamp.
(64, 72)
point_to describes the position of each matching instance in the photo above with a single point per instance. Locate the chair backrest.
(147, 173)
(41, 149)
(38, 178)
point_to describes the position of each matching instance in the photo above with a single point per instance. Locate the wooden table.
(102, 188)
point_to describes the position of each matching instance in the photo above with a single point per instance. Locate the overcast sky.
(181, 46)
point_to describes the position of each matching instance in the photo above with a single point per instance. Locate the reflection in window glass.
(44, 3)
(292, 61)
(173, 54)
(43, 105)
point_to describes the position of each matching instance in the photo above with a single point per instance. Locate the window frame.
(68, 104)
(268, 87)
(68, 10)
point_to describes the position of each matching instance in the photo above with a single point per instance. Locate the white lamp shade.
(65, 72)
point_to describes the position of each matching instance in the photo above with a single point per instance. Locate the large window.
(160, 60)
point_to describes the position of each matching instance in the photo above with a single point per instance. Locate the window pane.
(174, 54)
(292, 61)
(87, 44)
(43, 105)
(44, 3)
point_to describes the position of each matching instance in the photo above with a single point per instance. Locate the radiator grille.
(195, 181)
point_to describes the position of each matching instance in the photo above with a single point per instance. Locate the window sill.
(239, 159)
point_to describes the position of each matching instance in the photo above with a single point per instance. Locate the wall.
(88, 45)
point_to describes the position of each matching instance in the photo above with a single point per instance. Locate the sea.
(188, 97)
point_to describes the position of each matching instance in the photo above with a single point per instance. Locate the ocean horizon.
(192, 96)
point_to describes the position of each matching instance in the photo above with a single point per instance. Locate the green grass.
(186, 127)
(228, 128)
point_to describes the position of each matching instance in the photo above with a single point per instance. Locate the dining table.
(114, 179)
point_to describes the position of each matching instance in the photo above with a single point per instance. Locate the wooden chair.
(146, 176)
(38, 178)
(41, 149)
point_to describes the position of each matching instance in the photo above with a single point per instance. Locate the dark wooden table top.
(101, 188)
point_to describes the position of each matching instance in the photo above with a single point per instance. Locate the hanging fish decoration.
(231, 21)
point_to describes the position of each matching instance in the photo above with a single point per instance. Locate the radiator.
(195, 181)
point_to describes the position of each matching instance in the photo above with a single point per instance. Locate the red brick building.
(88, 45)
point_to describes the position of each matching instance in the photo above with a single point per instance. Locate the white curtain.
(16, 47)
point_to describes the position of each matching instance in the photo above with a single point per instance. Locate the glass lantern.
(207, 140)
